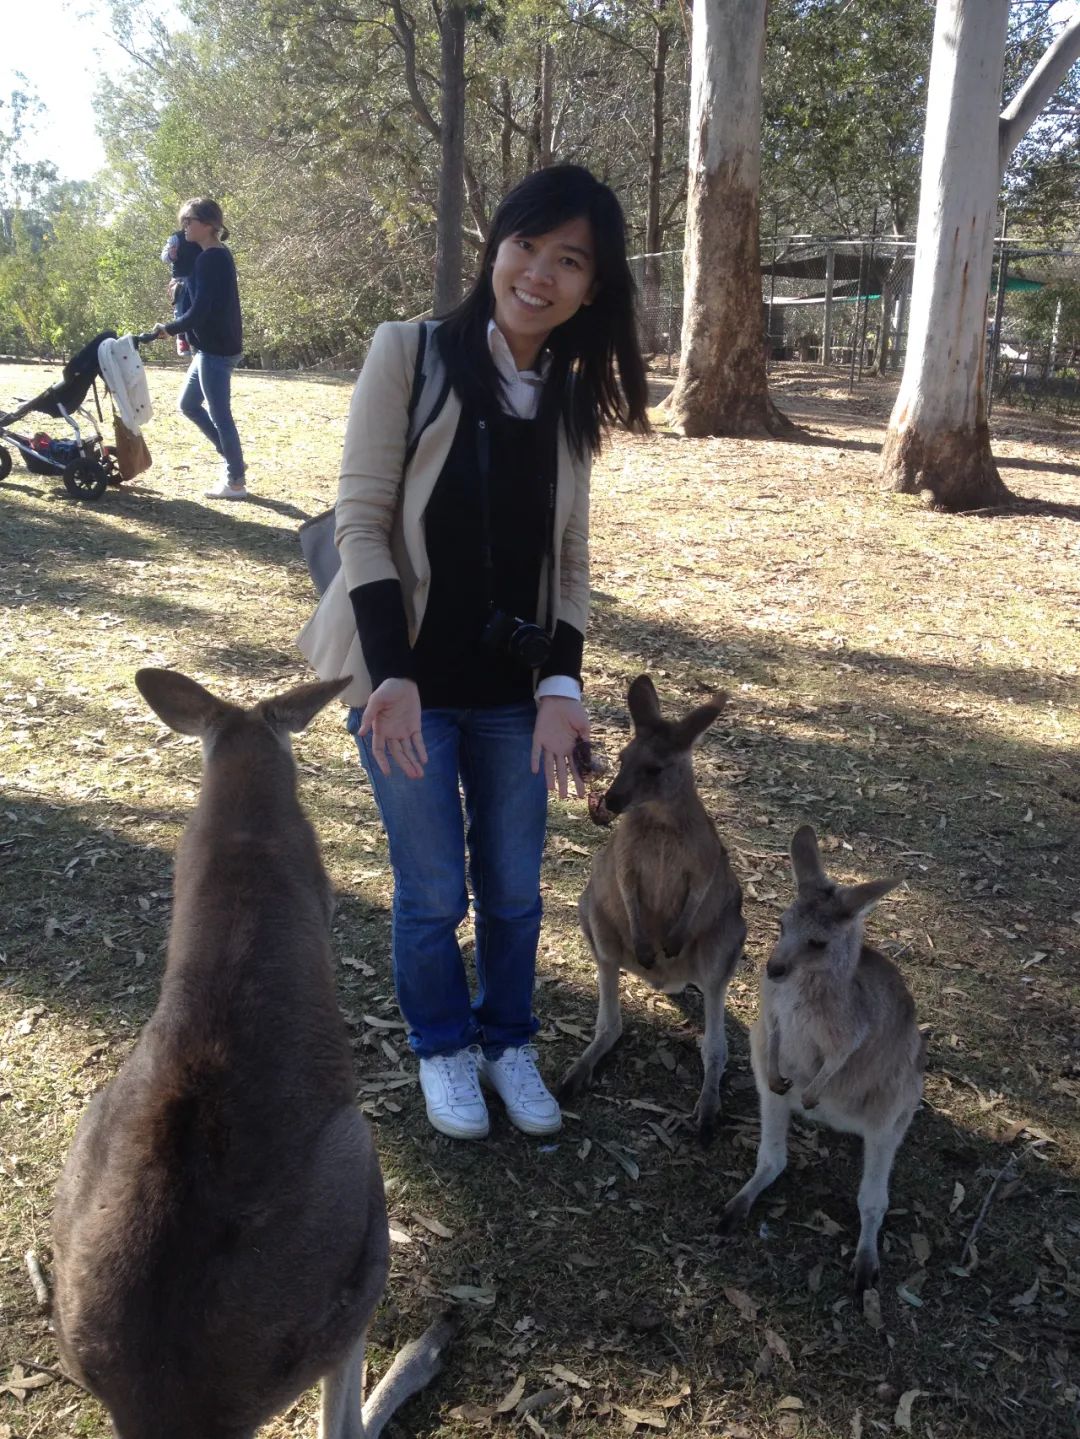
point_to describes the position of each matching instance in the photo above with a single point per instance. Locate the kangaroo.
(662, 901)
(835, 1039)
(220, 1228)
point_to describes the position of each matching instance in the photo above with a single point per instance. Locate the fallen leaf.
(513, 1398)
(777, 1345)
(902, 1417)
(1021, 1301)
(22, 1382)
(958, 1195)
(434, 1226)
(472, 1413)
(581, 1261)
(569, 1377)
(790, 1402)
(920, 1247)
(652, 1417)
(399, 1236)
(746, 1306)
(542, 1399)
(471, 1293)
(871, 1308)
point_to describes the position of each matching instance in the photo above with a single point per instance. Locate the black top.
(449, 662)
(187, 252)
(211, 319)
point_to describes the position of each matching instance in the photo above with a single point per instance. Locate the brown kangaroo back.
(220, 1227)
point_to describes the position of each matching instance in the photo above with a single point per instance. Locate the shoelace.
(526, 1075)
(458, 1072)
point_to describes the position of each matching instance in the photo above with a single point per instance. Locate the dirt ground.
(906, 681)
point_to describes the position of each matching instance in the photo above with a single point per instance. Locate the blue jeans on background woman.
(501, 834)
(209, 378)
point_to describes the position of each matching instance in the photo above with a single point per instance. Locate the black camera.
(517, 639)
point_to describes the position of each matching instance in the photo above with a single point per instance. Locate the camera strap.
(483, 471)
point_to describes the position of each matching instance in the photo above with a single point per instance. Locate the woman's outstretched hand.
(392, 719)
(560, 723)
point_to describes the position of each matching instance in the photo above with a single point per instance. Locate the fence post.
(999, 310)
(826, 337)
(772, 292)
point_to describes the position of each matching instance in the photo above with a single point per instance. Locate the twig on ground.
(37, 1280)
(1009, 1167)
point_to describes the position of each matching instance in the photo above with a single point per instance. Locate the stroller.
(85, 463)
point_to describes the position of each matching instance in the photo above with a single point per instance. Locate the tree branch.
(405, 34)
(1018, 117)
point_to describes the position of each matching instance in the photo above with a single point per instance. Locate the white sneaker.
(225, 491)
(516, 1080)
(455, 1105)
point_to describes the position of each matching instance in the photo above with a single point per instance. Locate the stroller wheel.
(85, 479)
(5, 463)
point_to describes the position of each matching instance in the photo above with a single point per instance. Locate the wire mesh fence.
(844, 304)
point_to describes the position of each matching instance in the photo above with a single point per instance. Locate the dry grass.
(908, 682)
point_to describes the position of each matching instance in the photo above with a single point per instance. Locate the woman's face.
(540, 282)
(197, 230)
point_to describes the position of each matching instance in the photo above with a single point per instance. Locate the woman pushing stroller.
(211, 320)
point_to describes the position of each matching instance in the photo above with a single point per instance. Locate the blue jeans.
(502, 830)
(210, 377)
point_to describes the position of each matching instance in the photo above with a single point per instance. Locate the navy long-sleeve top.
(211, 320)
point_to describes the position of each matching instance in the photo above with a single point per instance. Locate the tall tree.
(938, 439)
(448, 217)
(722, 388)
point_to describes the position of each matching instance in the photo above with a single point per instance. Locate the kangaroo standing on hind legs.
(662, 901)
(220, 1227)
(835, 1039)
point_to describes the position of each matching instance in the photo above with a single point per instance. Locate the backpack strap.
(430, 387)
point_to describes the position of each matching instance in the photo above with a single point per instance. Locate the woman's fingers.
(560, 771)
(418, 745)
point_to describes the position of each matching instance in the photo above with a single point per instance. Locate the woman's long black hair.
(598, 346)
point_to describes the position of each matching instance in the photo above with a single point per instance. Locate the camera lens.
(530, 645)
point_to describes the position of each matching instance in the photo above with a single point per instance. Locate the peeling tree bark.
(722, 387)
(938, 440)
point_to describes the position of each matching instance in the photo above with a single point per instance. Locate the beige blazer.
(380, 513)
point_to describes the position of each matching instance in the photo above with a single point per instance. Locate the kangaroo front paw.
(778, 1084)
(865, 1272)
(810, 1099)
(733, 1216)
(707, 1119)
(573, 1083)
(674, 944)
(644, 954)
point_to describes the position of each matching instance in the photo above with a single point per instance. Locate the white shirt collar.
(521, 388)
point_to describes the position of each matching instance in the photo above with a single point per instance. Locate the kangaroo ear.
(182, 703)
(296, 708)
(860, 898)
(697, 721)
(806, 858)
(644, 705)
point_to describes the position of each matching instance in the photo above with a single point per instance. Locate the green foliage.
(315, 123)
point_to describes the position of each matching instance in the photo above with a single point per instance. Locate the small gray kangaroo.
(835, 1040)
(662, 901)
(220, 1229)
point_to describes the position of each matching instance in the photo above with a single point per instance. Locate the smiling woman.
(465, 578)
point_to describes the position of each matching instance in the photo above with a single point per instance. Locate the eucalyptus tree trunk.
(722, 388)
(651, 297)
(938, 439)
(448, 220)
